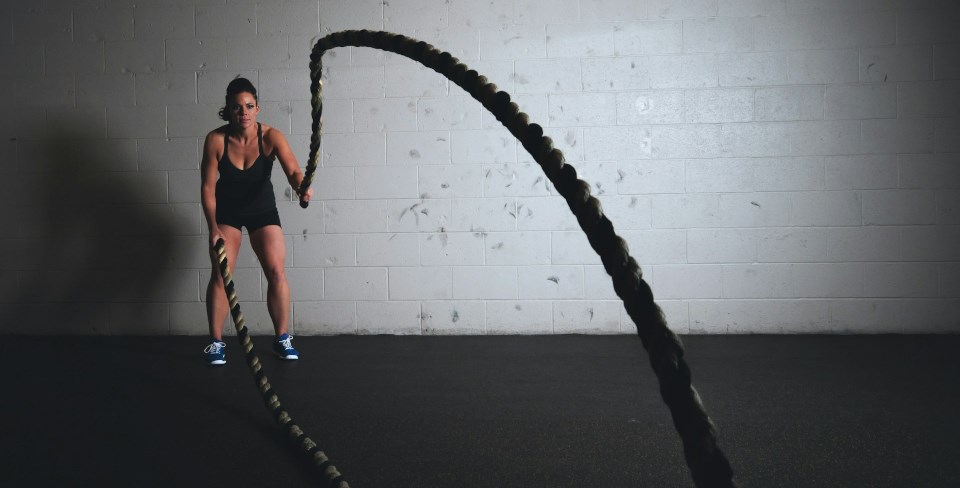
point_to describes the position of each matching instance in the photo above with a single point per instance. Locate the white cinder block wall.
(777, 166)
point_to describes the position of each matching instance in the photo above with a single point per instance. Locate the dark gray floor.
(554, 411)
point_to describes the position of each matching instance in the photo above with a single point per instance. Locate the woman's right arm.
(208, 186)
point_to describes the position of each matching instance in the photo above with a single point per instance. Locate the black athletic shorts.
(251, 222)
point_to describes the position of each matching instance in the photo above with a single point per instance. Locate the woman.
(242, 153)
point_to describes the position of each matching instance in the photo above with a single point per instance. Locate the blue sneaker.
(283, 348)
(215, 353)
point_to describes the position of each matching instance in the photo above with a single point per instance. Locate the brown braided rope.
(330, 476)
(708, 465)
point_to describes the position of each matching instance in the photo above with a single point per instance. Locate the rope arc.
(708, 465)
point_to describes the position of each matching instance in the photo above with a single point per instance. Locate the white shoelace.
(286, 342)
(214, 348)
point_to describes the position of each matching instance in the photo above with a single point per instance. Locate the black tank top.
(245, 191)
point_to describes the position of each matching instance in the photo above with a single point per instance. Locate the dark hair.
(238, 85)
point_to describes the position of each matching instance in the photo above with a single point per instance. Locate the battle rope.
(328, 471)
(708, 465)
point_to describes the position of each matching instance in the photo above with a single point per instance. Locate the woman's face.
(243, 110)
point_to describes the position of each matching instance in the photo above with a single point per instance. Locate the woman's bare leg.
(217, 305)
(269, 245)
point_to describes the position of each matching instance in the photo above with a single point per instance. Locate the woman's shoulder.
(217, 133)
(270, 132)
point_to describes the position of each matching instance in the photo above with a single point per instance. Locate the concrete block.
(948, 207)
(418, 148)
(650, 107)
(551, 76)
(930, 99)
(93, 25)
(354, 216)
(183, 186)
(533, 12)
(519, 317)
(628, 212)
(586, 317)
(189, 318)
(757, 281)
(489, 146)
(299, 222)
(685, 211)
(166, 88)
(188, 120)
(399, 318)
(853, 244)
(929, 171)
(483, 214)
(324, 318)
(517, 248)
(163, 22)
(930, 316)
(408, 15)
(388, 250)
(386, 182)
(719, 105)
(545, 213)
(139, 319)
(931, 243)
(570, 247)
(898, 136)
(722, 175)
(753, 69)
(947, 135)
(654, 176)
(247, 282)
(137, 122)
(57, 58)
(657, 246)
(337, 118)
(650, 37)
(789, 103)
(899, 207)
(305, 284)
(580, 40)
(927, 26)
(762, 209)
(718, 246)
(340, 15)
(949, 280)
(792, 245)
(453, 113)
(613, 10)
(758, 316)
(314, 251)
(510, 180)
(866, 316)
(860, 172)
(451, 249)
(687, 281)
(834, 280)
(751, 8)
(342, 82)
(946, 57)
(513, 42)
(196, 54)
(485, 283)
(285, 85)
(168, 154)
(683, 71)
(450, 181)
(790, 174)
(826, 31)
(823, 66)
(133, 56)
(832, 208)
(718, 34)
(901, 280)
(387, 114)
(597, 284)
(235, 21)
(602, 177)
(616, 74)
(568, 140)
(421, 283)
(260, 52)
(359, 149)
(892, 64)
(355, 283)
(414, 80)
(334, 183)
(591, 109)
(453, 317)
(105, 90)
(861, 101)
(297, 17)
(53, 91)
(463, 44)
(418, 215)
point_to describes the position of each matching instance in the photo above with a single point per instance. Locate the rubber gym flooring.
(503, 411)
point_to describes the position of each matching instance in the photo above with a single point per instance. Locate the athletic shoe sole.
(288, 357)
(218, 362)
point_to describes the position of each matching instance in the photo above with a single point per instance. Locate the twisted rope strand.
(330, 476)
(708, 465)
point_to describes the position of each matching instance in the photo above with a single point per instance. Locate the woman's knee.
(275, 275)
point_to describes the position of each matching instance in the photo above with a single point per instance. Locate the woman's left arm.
(281, 149)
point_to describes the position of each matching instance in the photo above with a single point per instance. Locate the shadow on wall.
(92, 240)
